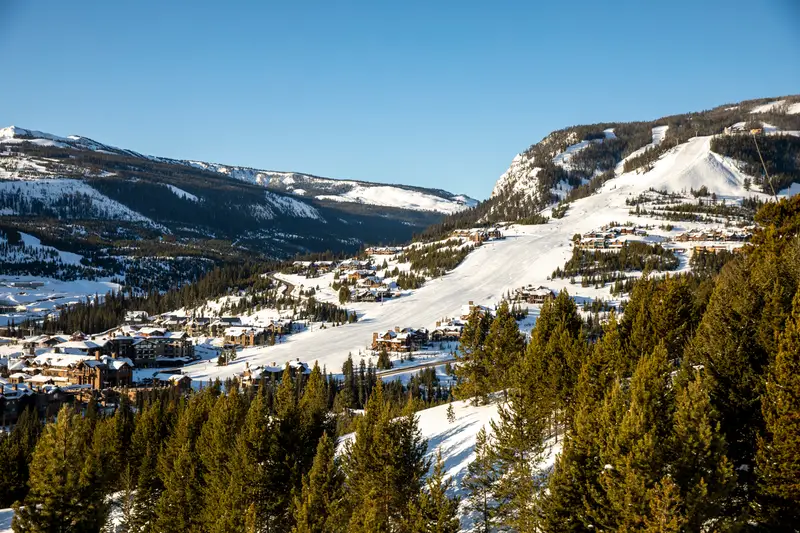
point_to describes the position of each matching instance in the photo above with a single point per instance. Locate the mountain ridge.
(272, 179)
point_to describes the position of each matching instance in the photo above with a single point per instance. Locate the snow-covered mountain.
(334, 190)
(110, 205)
(587, 156)
(295, 183)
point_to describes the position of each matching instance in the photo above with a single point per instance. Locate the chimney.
(97, 355)
(471, 303)
(397, 329)
(114, 355)
(375, 336)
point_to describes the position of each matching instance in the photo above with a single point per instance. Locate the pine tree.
(727, 346)
(700, 469)
(215, 447)
(180, 504)
(451, 414)
(778, 458)
(384, 464)
(636, 460)
(16, 450)
(482, 476)
(384, 363)
(146, 444)
(254, 479)
(321, 506)
(504, 347)
(574, 478)
(664, 515)
(62, 497)
(434, 512)
(518, 446)
(474, 369)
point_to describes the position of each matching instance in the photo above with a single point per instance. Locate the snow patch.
(181, 193)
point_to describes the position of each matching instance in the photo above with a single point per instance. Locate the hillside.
(575, 162)
(108, 204)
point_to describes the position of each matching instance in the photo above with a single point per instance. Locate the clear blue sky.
(433, 93)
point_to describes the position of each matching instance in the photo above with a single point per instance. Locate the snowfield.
(389, 196)
(180, 193)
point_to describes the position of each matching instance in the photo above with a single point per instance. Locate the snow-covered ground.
(180, 193)
(389, 196)
(40, 300)
(456, 441)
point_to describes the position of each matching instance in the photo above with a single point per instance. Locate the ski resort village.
(432, 322)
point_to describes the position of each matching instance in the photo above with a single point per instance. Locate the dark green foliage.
(781, 154)
(778, 457)
(435, 512)
(64, 495)
(482, 475)
(16, 451)
(321, 508)
(633, 256)
(384, 465)
(474, 371)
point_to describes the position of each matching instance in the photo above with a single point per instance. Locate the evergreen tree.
(474, 370)
(180, 504)
(62, 496)
(16, 450)
(250, 502)
(321, 508)
(504, 347)
(215, 447)
(482, 475)
(636, 460)
(778, 458)
(518, 446)
(451, 414)
(384, 464)
(314, 418)
(700, 470)
(664, 515)
(384, 363)
(434, 512)
(147, 442)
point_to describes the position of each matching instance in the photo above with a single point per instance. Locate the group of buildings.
(478, 236)
(610, 237)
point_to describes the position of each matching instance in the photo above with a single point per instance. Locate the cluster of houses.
(69, 362)
(370, 287)
(253, 375)
(384, 250)
(479, 236)
(609, 237)
(716, 235)
(167, 330)
(400, 340)
(533, 295)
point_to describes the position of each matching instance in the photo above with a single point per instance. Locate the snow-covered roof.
(243, 330)
(80, 345)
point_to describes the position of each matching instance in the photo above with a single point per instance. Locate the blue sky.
(439, 94)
